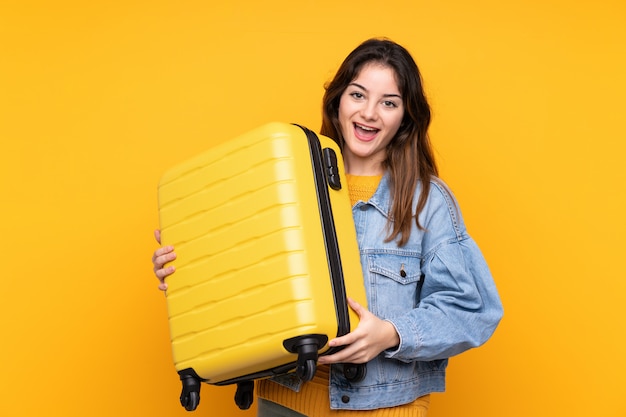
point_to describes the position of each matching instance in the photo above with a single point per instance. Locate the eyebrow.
(365, 89)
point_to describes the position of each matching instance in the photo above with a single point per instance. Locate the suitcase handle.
(331, 167)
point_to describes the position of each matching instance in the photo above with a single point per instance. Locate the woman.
(430, 292)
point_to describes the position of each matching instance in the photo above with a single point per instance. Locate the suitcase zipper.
(324, 172)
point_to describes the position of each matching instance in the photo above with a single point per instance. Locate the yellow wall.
(98, 97)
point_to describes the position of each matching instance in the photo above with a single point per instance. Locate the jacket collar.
(381, 199)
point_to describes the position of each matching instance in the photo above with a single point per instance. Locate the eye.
(357, 95)
(390, 104)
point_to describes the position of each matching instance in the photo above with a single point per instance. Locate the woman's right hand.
(162, 256)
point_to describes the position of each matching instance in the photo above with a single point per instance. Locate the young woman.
(430, 292)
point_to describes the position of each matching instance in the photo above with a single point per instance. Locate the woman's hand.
(160, 257)
(371, 337)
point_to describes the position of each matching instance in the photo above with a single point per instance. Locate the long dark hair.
(409, 155)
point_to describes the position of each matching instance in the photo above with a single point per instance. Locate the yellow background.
(98, 98)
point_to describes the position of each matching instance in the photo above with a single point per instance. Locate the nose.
(369, 111)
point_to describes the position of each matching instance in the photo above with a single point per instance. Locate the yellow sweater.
(313, 398)
(362, 188)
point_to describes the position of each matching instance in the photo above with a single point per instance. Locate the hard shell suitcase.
(266, 254)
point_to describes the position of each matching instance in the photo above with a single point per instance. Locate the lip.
(364, 132)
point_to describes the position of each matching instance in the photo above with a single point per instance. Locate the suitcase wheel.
(190, 401)
(354, 372)
(190, 395)
(306, 347)
(244, 394)
(306, 370)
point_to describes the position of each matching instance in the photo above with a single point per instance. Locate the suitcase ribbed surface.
(251, 267)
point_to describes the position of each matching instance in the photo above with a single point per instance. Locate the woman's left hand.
(371, 337)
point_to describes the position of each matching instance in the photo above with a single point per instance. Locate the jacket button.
(345, 399)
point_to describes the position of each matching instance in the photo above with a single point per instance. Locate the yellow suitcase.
(266, 254)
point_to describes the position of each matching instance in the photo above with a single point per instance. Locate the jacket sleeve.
(460, 307)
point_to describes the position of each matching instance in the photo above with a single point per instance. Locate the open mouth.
(365, 132)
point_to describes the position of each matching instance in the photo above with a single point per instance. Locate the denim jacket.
(455, 308)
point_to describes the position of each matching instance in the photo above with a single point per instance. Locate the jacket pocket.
(394, 283)
(404, 269)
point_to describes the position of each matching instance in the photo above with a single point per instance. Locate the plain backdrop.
(98, 98)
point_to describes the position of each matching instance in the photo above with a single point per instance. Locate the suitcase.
(266, 254)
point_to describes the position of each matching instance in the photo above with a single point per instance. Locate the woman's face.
(370, 113)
